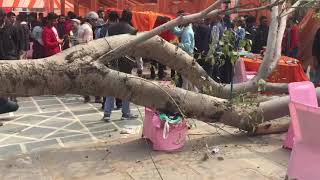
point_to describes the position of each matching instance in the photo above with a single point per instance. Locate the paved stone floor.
(57, 138)
(57, 122)
(239, 158)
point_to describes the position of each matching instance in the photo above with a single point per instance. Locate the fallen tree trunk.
(80, 70)
(40, 77)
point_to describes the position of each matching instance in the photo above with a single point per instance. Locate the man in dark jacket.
(124, 65)
(251, 28)
(8, 51)
(9, 40)
(261, 37)
(113, 18)
(24, 35)
(202, 35)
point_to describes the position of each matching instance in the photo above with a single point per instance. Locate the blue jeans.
(109, 105)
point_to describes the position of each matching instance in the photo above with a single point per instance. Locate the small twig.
(163, 91)
(151, 157)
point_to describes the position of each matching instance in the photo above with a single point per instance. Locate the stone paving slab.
(240, 158)
(55, 122)
(44, 140)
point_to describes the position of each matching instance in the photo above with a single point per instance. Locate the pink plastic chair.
(304, 93)
(305, 155)
(240, 73)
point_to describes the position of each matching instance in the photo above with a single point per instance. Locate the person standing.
(166, 35)
(291, 39)
(187, 43)
(61, 26)
(101, 14)
(240, 32)
(315, 70)
(11, 18)
(9, 44)
(261, 37)
(38, 46)
(251, 28)
(24, 31)
(113, 18)
(74, 32)
(124, 65)
(63, 32)
(68, 24)
(100, 24)
(51, 41)
(85, 35)
(202, 34)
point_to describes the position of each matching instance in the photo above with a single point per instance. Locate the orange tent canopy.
(143, 21)
(31, 4)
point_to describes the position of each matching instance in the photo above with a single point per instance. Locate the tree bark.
(77, 71)
(40, 77)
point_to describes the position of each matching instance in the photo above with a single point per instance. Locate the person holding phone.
(52, 42)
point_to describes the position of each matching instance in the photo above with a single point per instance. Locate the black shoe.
(106, 118)
(139, 72)
(129, 117)
(98, 99)
(86, 99)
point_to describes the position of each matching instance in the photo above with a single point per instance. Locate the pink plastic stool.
(305, 155)
(153, 130)
(303, 93)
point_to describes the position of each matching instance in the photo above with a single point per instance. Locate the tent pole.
(63, 7)
(76, 7)
(93, 5)
(51, 6)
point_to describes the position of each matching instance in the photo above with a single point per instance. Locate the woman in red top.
(50, 37)
(168, 36)
(291, 39)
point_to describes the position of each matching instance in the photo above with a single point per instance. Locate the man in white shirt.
(85, 34)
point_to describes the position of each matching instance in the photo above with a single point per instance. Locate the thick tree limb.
(40, 77)
(265, 68)
(207, 13)
(121, 50)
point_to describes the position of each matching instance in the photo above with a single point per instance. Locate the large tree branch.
(265, 69)
(122, 50)
(207, 13)
(40, 77)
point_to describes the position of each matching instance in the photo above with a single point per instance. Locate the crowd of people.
(51, 34)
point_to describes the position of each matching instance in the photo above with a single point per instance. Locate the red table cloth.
(285, 72)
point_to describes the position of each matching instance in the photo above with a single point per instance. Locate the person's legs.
(185, 83)
(118, 103)
(103, 102)
(139, 66)
(98, 99)
(152, 70)
(173, 74)
(125, 108)
(108, 107)
(126, 113)
(86, 99)
(161, 71)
